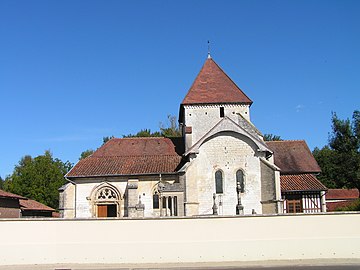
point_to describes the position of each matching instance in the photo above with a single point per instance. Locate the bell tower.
(212, 96)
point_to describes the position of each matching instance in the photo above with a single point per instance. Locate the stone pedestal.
(140, 208)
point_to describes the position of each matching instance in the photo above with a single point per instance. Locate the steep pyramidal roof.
(213, 86)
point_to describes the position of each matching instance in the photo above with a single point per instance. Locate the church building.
(220, 166)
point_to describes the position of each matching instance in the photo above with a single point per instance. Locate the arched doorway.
(107, 202)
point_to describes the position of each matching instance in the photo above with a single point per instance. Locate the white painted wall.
(173, 240)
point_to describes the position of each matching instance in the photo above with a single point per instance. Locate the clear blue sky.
(72, 72)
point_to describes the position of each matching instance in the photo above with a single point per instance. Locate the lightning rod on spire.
(209, 56)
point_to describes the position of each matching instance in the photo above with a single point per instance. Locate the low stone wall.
(174, 240)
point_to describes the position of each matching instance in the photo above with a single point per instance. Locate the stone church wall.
(145, 190)
(67, 201)
(268, 189)
(84, 191)
(206, 116)
(228, 152)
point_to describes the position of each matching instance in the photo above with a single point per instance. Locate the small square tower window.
(222, 112)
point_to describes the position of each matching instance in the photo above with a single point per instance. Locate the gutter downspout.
(72, 182)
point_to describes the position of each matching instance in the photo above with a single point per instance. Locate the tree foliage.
(38, 178)
(107, 138)
(86, 153)
(144, 133)
(169, 129)
(272, 137)
(340, 160)
(1, 183)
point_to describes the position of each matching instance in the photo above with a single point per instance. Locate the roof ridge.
(343, 189)
(299, 173)
(287, 141)
(136, 138)
(142, 155)
(251, 124)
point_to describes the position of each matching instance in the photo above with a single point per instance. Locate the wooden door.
(294, 206)
(102, 211)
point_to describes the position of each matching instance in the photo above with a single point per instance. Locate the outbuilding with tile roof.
(16, 206)
(300, 189)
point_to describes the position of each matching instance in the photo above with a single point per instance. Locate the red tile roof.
(213, 86)
(293, 157)
(126, 165)
(131, 156)
(5, 194)
(338, 194)
(137, 146)
(333, 206)
(300, 182)
(34, 205)
(26, 204)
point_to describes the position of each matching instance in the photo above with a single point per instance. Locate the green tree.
(171, 129)
(272, 137)
(107, 138)
(325, 157)
(38, 178)
(1, 183)
(86, 153)
(144, 133)
(340, 160)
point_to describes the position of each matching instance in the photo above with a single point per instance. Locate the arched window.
(240, 180)
(219, 182)
(156, 200)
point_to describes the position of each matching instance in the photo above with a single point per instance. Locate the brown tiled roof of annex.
(293, 157)
(213, 86)
(124, 165)
(300, 182)
(139, 146)
(34, 205)
(131, 156)
(5, 194)
(346, 194)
